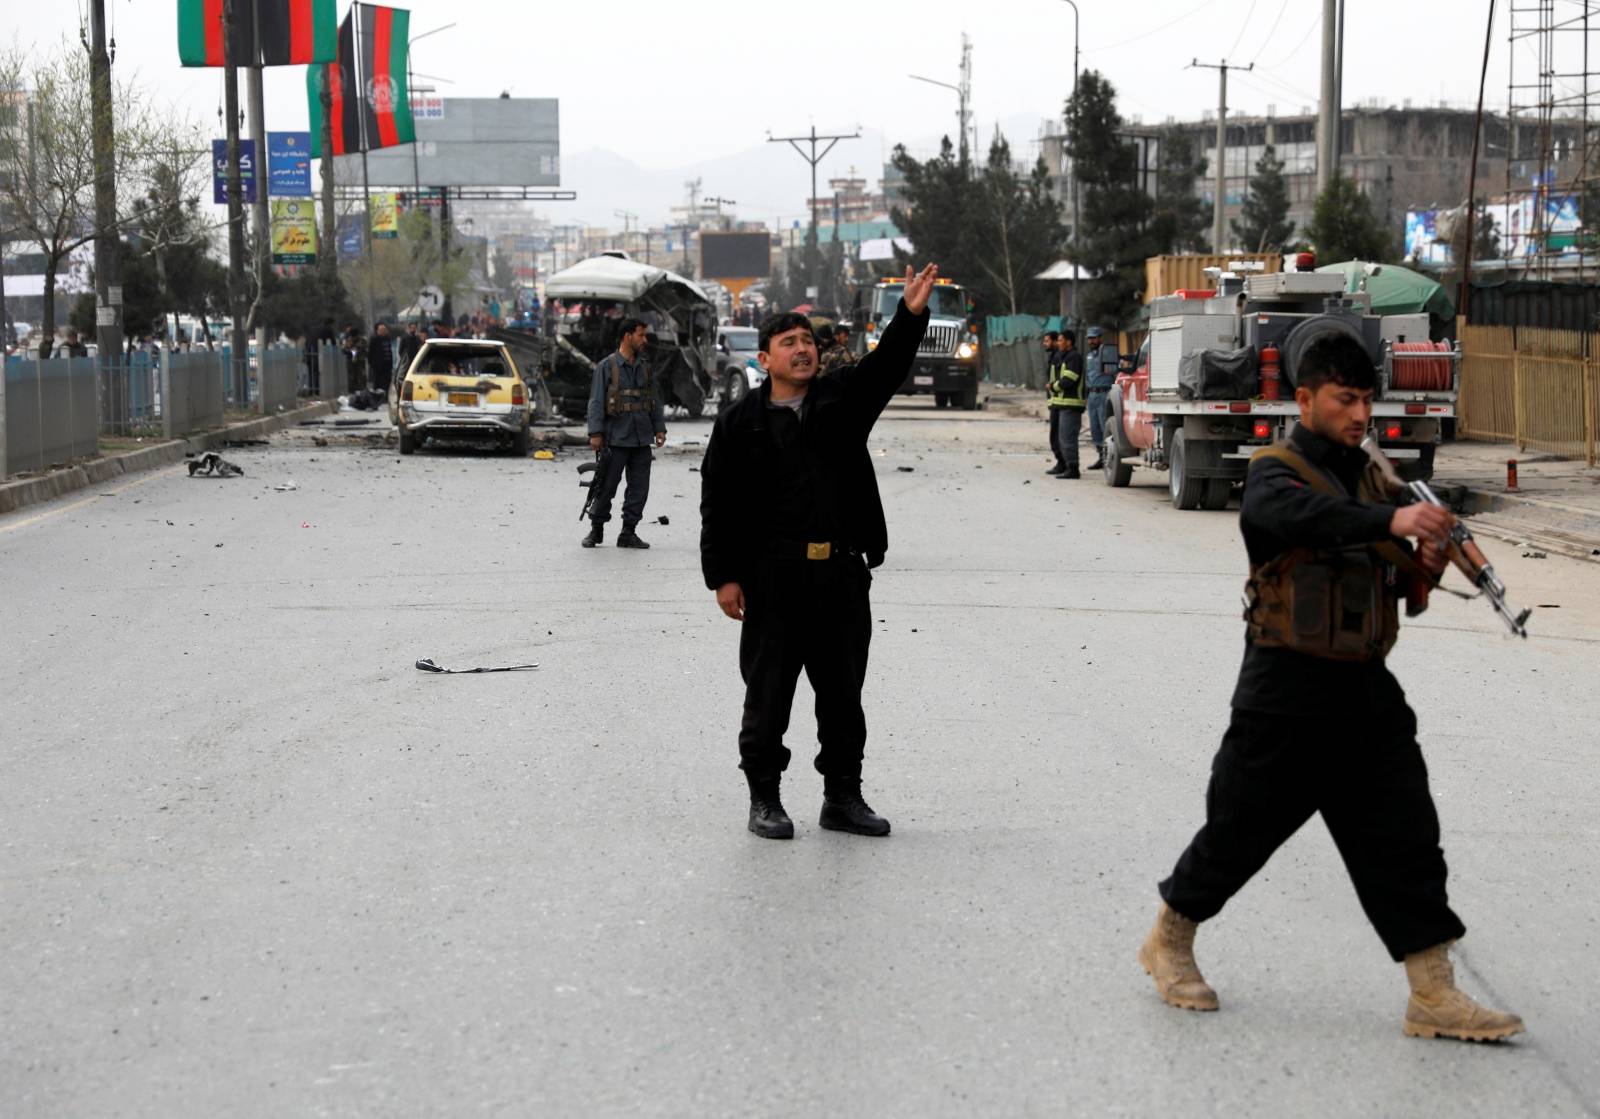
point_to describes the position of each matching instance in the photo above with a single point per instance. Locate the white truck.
(1206, 392)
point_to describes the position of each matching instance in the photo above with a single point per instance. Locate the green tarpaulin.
(1395, 290)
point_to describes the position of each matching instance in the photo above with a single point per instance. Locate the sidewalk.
(1556, 507)
(20, 492)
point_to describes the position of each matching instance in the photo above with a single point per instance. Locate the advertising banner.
(385, 214)
(294, 231)
(219, 170)
(289, 164)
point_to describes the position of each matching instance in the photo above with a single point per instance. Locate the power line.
(1243, 27)
(1284, 7)
(1152, 31)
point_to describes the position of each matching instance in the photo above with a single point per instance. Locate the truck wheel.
(1186, 490)
(1118, 433)
(969, 400)
(940, 399)
(1216, 494)
(734, 387)
(408, 441)
(1117, 473)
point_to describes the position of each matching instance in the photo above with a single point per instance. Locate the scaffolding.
(1551, 202)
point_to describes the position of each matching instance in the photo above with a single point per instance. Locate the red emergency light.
(1263, 429)
(1392, 431)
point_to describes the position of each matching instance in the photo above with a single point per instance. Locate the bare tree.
(49, 194)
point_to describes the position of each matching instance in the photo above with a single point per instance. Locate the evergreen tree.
(1343, 226)
(939, 198)
(1265, 223)
(1182, 218)
(1017, 226)
(1117, 234)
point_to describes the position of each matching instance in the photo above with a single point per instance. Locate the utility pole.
(261, 222)
(1073, 126)
(627, 226)
(813, 159)
(1328, 106)
(107, 250)
(720, 203)
(240, 346)
(963, 92)
(1218, 223)
(328, 254)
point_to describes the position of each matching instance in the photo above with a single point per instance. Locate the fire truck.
(1214, 381)
(947, 366)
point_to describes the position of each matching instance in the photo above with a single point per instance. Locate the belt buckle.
(819, 551)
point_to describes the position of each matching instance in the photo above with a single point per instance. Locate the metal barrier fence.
(333, 372)
(193, 391)
(278, 379)
(1017, 363)
(1533, 387)
(130, 393)
(49, 413)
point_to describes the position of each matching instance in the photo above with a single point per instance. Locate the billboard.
(219, 170)
(289, 164)
(470, 141)
(385, 215)
(735, 256)
(294, 231)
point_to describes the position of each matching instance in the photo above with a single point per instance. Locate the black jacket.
(1280, 512)
(736, 509)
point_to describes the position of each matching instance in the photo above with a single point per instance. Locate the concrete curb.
(59, 483)
(1549, 526)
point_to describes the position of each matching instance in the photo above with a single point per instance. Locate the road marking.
(146, 476)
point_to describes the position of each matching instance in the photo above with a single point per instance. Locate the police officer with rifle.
(1319, 723)
(626, 417)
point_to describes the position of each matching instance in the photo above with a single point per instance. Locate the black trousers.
(1370, 784)
(814, 615)
(1055, 438)
(635, 462)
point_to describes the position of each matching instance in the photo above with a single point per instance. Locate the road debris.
(286, 487)
(213, 465)
(545, 455)
(661, 520)
(906, 469)
(427, 665)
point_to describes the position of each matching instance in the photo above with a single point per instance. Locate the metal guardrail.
(49, 413)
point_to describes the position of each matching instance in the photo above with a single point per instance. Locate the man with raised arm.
(791, 526)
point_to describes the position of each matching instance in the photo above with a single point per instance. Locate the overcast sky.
(670, 85)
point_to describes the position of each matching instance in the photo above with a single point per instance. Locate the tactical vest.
(620, 401)
(1338, 604)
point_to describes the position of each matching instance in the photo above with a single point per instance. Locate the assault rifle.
(596, 470)
(1462, 550)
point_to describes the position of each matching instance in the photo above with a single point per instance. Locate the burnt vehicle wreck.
(584, 309)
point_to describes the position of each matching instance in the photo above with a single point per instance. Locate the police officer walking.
(1101, 370)
(1319, 724)
(626, 418)
(791, 523)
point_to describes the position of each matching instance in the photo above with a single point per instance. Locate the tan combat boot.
(1439, 1009)
(1168, 956)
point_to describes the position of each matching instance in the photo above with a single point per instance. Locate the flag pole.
(366, 182)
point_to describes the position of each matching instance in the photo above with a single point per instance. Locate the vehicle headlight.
(967, 350)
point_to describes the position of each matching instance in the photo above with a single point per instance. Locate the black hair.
(1338, 358)
(628, 326)
(824, 334)
(1071, 336)
(1049, 334)
(782, 323)
(841, 328)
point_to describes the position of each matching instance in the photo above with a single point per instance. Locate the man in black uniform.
(1319, 723)
(626, 417)
(791, 521)
(1052, 359)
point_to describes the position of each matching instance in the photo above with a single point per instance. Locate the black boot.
(630, 539)
(767, 817)
(843, 809)
(1070, 473)
(597, 533)
(1057, 470)
(1097, 464)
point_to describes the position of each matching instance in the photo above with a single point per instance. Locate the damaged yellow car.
(459, 388)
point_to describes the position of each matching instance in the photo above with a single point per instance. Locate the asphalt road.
(253, 863)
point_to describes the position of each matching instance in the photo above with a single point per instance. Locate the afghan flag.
(200, 33)
(293, 32)
(344, 102)
(386, 108)
(296, 32)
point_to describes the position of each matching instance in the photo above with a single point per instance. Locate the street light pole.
(1072, 182)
